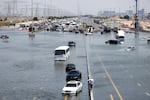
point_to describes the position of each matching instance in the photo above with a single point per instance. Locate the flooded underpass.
(28, 70)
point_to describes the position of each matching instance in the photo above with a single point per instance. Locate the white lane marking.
(111, 97)
(65, 97)
(138, 84)
(148, 94)
(110, 79)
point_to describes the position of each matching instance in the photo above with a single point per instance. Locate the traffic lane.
(27, 75)
(134, 65)
(105, 87)
(90, 40)
(29, 71)
(130, 84)
(78, 57)
(139, 73)
(111, 60)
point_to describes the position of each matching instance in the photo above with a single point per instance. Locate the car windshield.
(73, 72)
(59, 52)
(70, 65)
(71, 42)
(71, 85)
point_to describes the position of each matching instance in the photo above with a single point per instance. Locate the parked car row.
(73, 80)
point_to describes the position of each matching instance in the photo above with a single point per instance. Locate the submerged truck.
(120, 35)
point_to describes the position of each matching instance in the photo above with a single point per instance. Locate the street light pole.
(136, 18)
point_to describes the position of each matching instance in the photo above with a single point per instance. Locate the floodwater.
(28, 70)
(27, 67)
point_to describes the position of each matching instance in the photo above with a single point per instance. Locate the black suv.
(71, 43)
(115, 41)
(74, 75)
(70, 67)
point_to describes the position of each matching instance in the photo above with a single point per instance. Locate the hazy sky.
(90, 6)
(93, 6)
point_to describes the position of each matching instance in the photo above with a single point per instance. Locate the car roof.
(70, 64)
(73, 82)
(71, 42)
(62, 48)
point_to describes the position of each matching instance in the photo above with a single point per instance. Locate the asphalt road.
(120, 74)
(28, 70)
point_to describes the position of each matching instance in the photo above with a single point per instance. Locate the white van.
(62, 53)
(120, 34)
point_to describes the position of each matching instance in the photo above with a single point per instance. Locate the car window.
(73, 72)
(70, 65)
(78, 84)
(71, 85)
(59, 52)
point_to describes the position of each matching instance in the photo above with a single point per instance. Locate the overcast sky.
(91, 6)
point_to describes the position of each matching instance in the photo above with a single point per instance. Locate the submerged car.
(115, 41)
(130, 48)
(71, 43)
(70, 67)
(72, 88)
(73, 75)
(4, 37)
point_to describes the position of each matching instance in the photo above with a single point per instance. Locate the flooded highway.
(28, 70)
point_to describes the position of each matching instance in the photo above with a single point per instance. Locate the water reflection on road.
(29, 72)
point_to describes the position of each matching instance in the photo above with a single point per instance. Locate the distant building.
(107, 13)
(148, 16)
(141, 12)
(113, 13)
(129, 12)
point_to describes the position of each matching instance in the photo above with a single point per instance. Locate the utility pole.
(37, 10)
(26, 10)
(15, 7)
(9, 10)
(78, 8)
(44, 8)
(31, 8)
(136, 19)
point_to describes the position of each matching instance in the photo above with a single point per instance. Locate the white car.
(72, 87)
